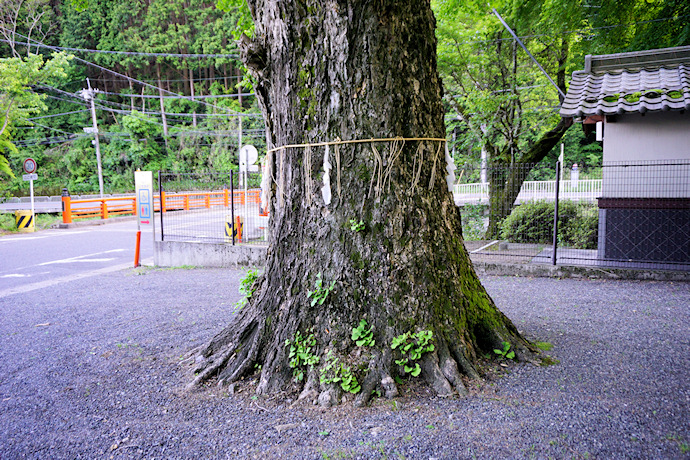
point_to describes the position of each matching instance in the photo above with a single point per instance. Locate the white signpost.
(248, 157)
(143, 182)
(30, 168)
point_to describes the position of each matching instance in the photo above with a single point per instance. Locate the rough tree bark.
(357, 70)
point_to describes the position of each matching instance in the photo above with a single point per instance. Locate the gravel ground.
(89, 369)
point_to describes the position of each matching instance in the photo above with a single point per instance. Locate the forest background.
(174, 96)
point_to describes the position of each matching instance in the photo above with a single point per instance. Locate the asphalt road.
(49, 257)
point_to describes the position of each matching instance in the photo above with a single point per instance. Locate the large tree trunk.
(357, 70)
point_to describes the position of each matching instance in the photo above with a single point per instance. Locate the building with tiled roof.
(639, 82)
(640, 102)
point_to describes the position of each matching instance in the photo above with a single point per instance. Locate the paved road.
(36, 260)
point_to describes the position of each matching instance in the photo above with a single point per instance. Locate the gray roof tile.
(638, 90)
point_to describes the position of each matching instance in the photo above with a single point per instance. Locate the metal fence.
(638, 218)
(212, 208)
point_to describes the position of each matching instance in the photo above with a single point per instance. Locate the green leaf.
(510, 355)
(416, 371)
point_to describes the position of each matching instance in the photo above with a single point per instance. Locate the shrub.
(582, 231)
(532, 222)
(472, 216)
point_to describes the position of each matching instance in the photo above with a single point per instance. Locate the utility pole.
(191, 86)
(160, 97)
(89, 95)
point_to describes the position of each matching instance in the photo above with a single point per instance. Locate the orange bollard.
(238, 228)
(104, 209)
(136, 249)
(66, 209)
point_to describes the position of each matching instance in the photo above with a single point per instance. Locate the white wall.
(643, 141)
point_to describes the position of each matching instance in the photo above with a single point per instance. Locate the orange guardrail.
(126, 205)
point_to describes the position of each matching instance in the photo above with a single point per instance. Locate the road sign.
(30, 166)
(28, 177)
(248, 156)
(143, 181)
(90, 130)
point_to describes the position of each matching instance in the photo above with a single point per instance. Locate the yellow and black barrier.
(235, 229)
(25, 221)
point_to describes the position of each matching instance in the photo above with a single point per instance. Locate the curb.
(91, 223)
(569, 271)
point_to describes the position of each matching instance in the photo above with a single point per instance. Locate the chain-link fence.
(624, 214)
(212, 208)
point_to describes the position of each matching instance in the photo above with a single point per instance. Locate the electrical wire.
(153, 96)
(105, 69)
(126, 53)
(58, 114)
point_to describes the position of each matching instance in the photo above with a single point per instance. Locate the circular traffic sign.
(30, 166)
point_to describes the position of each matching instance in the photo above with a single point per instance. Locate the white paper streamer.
(326, 189)
(450, 167)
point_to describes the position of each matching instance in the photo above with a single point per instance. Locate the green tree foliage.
(496, 98)
(498, 101)
(17, 101)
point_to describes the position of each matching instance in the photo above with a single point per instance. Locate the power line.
(153, 96)
(127, 109)
(126, 53)
(58, 114)
(220, 77)
(105, 69)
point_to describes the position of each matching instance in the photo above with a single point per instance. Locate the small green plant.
(320, 293)
(301, 355)
(506, 352)
(412, 347)
(612, 98)
(324, 433)
(545, 346)
(335, 372)
(682, 445)
(362, 336)
(356, 226)
(349, 382)
(247, 287)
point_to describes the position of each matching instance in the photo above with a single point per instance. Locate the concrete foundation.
(179, 253)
